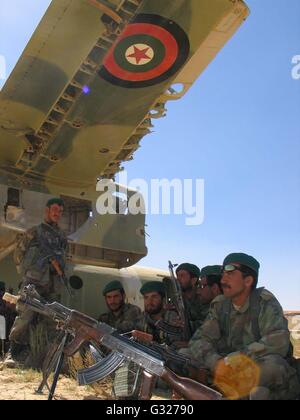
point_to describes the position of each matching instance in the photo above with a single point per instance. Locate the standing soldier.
(245, 341)
(120, 315)
(40, 258)
(6, 310)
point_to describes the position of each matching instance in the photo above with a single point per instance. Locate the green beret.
(243, 259)
(53, 201)
(153, 286)
(113, 285)
(190, 268)
(211, 270)
(2, 286)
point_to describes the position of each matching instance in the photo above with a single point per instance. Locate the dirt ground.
(17, 384)
(21, 384)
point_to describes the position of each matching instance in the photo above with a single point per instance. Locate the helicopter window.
(13, 197)
(76, 282)
(121, 203)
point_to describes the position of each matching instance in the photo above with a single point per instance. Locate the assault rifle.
(55, 259)
(175, 298)
(84, 329)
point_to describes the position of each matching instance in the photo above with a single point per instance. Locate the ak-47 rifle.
(174, 296)
(173, 359)
(85, 329)
(55, 259)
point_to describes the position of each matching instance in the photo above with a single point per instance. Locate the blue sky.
(238, 129)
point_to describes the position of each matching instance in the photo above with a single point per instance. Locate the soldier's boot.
(12, 358)
(260, 393)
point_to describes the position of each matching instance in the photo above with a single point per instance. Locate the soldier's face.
(115, 300)
(204, 292)
(153, 303)
(186, 281)
(54, 213)
(234, 284)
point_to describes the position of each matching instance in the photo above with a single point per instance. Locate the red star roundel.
(149, 51)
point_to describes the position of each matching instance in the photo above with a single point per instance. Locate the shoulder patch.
(266, 295)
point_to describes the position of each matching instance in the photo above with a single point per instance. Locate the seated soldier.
(209, 287)
(188, 277)
(120, 315)
(7, 311)
(154, 312)
(245, 341)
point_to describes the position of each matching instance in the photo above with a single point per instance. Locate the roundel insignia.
(149, 51)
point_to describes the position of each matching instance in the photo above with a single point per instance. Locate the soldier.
(2, 303)
(209, 287)
(154, 295)
(245, 341)
(121, 315)
(154, 311)
(38, 256)
(6, 310)
(188, 276)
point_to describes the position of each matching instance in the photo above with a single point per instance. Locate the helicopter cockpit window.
(13, 197)
(121, 203)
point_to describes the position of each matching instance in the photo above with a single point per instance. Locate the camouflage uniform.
(196, 311)
(125, 320)
(161, 337)
(229, 329)
(34, 251)
(125, 376)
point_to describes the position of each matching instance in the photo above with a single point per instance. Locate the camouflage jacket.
(196, 311)
(214, 340)
(36, 248)
(125, 321)
(159, 336)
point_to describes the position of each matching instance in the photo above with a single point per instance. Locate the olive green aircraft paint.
(82, 92)
(88, 282)
(86, 90)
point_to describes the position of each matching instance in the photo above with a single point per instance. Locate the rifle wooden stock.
(188, 388)
(147, 386)
(57, 268)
